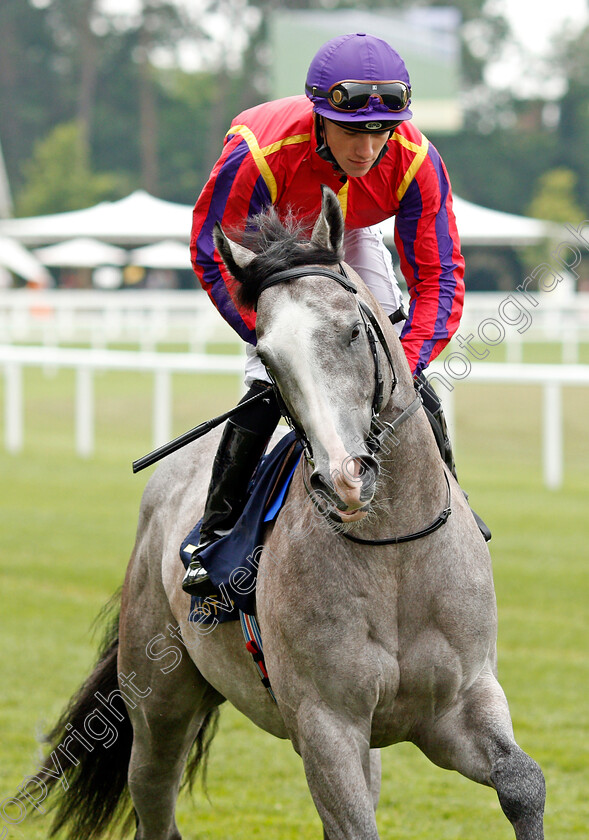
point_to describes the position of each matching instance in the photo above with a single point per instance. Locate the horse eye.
(355, 333)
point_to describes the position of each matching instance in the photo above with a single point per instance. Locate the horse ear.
(234, 255)
(329, 227)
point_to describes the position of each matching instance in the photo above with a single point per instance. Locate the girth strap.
(253, 643)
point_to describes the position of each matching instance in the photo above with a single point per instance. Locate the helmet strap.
(322, 148)
(383, 151)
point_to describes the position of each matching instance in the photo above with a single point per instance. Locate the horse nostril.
(363, 468)
(319, 484)
(356, 477)
(324, 491)
(370, 470)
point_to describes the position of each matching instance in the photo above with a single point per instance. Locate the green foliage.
(498, 169)
(195, 112)
(554, 198)
(58, 177)
(555, 201)
(30, 94)
(163, 129)
(574, 118)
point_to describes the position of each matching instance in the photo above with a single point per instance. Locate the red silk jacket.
(269, 158)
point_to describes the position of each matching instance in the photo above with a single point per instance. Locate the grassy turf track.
(66, 529)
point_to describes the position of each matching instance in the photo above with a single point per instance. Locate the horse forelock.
(278, 245)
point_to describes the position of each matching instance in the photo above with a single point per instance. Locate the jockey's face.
(355, 151)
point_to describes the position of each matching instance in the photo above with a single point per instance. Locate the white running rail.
(149, 317)
(552, 379)
(145, 317)
(85, 363)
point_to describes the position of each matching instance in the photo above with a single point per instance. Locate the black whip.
(192, 434)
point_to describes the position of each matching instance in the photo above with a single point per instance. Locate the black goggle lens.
(351, 96)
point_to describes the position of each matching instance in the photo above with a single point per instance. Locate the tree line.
(91, 107)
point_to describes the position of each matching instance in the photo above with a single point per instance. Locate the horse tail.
(87, 782)
(198, 758)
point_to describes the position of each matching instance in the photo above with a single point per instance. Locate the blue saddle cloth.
(232, 561)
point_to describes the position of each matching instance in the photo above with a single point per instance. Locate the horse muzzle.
(347, 490)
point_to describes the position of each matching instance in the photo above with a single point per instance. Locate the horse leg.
(373, 781)
(170, 706)
(475, 738)
(163, 734)
(343, 773)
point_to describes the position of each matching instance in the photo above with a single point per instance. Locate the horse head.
(324, 347)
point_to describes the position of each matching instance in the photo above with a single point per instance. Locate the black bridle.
(308, 271)
(375, 335)
(378, 428)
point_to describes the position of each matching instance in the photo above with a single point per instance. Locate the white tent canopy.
(166, 254)
(138, 218)
(142, 219)
(82, 252)
(481, 226)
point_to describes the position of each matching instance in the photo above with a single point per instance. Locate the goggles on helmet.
(351, 95)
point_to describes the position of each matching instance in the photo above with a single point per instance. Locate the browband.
(308, 271)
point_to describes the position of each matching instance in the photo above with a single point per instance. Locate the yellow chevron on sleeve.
(420, 155)
(259, 155)
(288, 141)
(342, 197)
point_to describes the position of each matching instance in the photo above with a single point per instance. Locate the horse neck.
(412, 471)
(411, 488)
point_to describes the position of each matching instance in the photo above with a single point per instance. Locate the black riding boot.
(435, 415)
(239, 451)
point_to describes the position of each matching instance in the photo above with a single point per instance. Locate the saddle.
(232, 561)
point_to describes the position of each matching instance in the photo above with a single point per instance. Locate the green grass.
(66, 529)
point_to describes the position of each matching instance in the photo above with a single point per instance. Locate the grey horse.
(374, 597)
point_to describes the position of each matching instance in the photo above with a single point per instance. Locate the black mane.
(278, 246)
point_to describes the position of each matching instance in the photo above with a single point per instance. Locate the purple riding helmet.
(360, 81)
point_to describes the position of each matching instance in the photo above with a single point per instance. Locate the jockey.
(353, 132)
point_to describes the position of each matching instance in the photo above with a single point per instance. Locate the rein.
(440, 520)
(378, 428)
